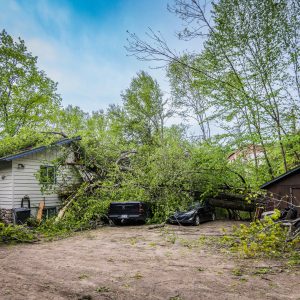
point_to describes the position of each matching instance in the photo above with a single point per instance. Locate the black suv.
(124, 212)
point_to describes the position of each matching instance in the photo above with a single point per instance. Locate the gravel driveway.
(134, 262)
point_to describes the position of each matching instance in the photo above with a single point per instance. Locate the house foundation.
(6, 216)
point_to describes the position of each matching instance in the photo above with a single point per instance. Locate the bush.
(18, 233)
(267, 238)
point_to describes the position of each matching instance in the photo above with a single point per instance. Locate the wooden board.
(40, 211)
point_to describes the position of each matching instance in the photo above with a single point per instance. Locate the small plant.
(83, 276)
(262, 271)
(294, 259)
(201, 240)
(177, 297)
(169, 236)
(237, 272)
(103, 289)
(187, 243)
(137, 276)
(152, 244)
(243, 279)
(133, 241)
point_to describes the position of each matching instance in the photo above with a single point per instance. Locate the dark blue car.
(194, 215)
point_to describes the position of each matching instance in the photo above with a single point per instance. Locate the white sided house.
(23, 178)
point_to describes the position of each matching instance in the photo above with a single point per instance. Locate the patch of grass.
(103, 289)
(202, 240)
(133, 241)
(294, 260)
(187, 243)
(152, 244)
(200, 269)
(262, 271)
(177, 297)
(171, 238)
(237, 272)
(243, 279)
(137, 276)
(83, 276)
(273, 284)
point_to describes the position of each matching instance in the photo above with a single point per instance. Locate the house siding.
(6, 184)
(26, 182)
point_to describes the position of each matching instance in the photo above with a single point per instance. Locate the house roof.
(279, 178)
(245, 151)
(39, 149)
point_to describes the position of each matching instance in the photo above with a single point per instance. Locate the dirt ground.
(134, 262)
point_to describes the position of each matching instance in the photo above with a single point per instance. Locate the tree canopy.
(241, 87)
(28, 98)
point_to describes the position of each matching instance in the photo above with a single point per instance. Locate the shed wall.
(286, 187)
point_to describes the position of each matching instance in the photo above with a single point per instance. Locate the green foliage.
(267, 238)
(18, 234)
(25, 139)
(85, 213)
(28, 98)
(144, 109)
(103, 289)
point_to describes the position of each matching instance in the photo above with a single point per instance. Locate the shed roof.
(39, 149)
(281, 177)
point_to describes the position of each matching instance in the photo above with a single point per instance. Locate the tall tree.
(27, 96)
(189, 96)
(250, 57)
(145, 108)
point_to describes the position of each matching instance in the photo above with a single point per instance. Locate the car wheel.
(196, 220)
(213, 217)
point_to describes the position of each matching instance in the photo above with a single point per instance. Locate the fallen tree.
(232, 201)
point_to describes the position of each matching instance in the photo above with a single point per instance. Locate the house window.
(47, 175)
(49, 212)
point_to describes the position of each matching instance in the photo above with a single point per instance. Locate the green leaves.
(144, 109)
(17, 234)
(266, 238)
(28, 97)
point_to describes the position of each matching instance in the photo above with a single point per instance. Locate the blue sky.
(80, 43)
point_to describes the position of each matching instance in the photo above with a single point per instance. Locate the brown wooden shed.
(287, 187)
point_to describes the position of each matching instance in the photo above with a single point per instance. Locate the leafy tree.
(250, 59)
(189, 94)
(28, 97)
(144, 108)
(70, 120)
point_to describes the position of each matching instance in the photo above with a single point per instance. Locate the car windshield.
(194, 206)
